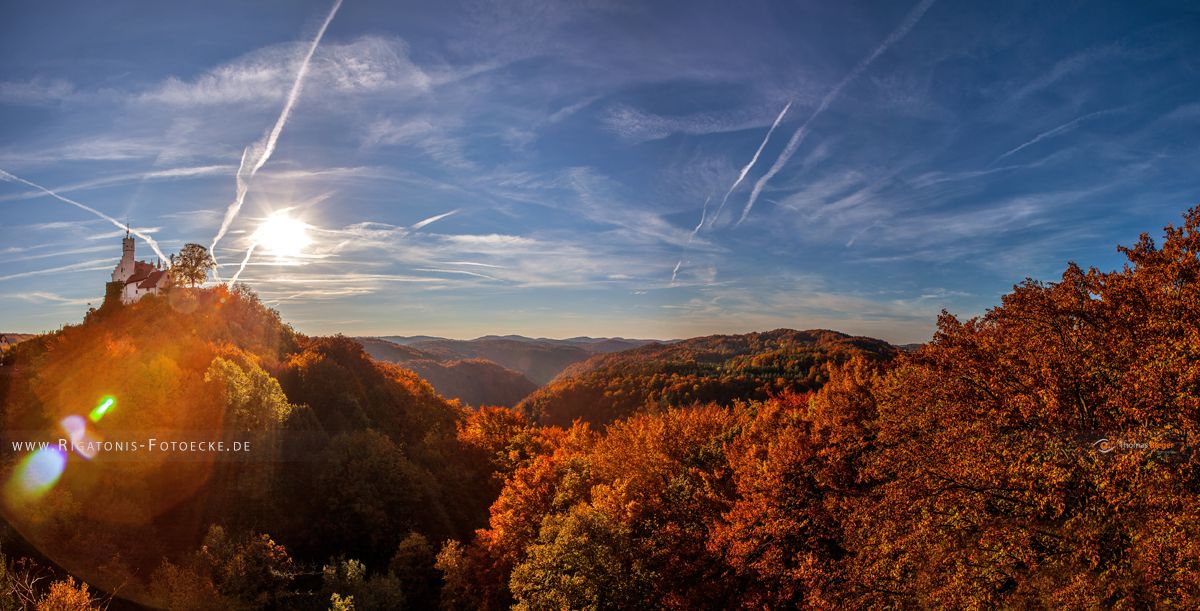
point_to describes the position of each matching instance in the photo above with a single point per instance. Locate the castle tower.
(126, 266)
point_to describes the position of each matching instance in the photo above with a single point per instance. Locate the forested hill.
(717, 368)
(539, 362)
(475, 382)
(351, 457)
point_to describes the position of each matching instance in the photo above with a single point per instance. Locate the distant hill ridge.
(475, 382)
(712, 369)
(538, 359)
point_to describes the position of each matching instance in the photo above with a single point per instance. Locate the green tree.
(583, 560)
(253, 569)
(412, 566)
(192, 265)
(253, 399)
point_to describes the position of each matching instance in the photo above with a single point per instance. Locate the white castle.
(136, 279)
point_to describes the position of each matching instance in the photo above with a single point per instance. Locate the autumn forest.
(1042, 455)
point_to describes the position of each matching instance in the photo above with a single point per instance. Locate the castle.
(132, 279)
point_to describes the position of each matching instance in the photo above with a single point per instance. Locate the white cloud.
(639, 126)
(370, 64)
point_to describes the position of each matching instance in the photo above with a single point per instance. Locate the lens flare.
(282, 235)
(37, 474)
(102, 409)
(82, 442)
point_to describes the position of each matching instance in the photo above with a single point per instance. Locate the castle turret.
(126, 267)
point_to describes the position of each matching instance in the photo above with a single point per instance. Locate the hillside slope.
(717, 368)
(540, 362)
(475, 382)
(347, 455)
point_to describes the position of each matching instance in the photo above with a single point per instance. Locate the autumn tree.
(66, 595)
(191, 265)
(993, 490)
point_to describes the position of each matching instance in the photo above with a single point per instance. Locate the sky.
(641, 169)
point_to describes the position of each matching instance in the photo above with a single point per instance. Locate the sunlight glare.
(282, 236)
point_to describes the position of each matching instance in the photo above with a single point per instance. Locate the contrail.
(242, 267)
(416, 226)
(753, 160)
(149, 240)
(262, 150)
(170, 173)
(1058, 130)
(703, 215)
(433, 219)
(900, 32)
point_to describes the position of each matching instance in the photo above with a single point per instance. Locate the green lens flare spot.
(102, 409)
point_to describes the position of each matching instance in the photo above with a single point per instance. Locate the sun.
(282, 235)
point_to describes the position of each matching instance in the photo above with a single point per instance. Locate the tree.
(66, 595)
(413, 566)
(993, 493)
(253, 399)
(584, 560)
(192, 265)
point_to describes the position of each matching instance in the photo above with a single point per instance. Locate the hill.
(1040, 456)
(540, 359)
(595, 345)
(717, 368)
(475, 382)
(345, 454)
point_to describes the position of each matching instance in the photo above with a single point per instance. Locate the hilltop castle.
(132, 279)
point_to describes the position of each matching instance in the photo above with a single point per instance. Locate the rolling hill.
(539, 359)
(349, 453)
(718, 369)
(473, 381)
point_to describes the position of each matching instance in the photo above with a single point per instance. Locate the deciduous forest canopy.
(1041, 455)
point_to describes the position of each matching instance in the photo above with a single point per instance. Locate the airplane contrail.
(6, 176)
(753, 160)
(432, 219)
(1058, 130)
(900, 32)
(242, 267)
(263, 149)
(703, 214)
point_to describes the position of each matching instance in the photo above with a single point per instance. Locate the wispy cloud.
(753, 160)
(138, 232)
(366, 65)
(35, 92)
(678, 264)
(910, 21)
(429, 135)
(1064, 68)
(570, 109)
(121, 179)
(638, 126)
(258, 153)
(1061, 129)
(85, 266)
(48, 297)
(433, 219)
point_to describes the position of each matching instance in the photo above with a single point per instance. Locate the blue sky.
(932, 155)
